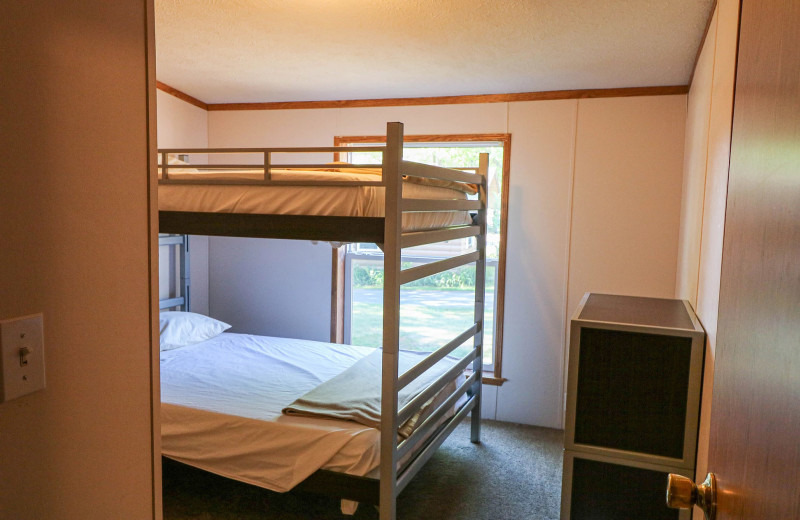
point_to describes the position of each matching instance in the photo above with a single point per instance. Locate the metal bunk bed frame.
(179, 295)
(386, 231)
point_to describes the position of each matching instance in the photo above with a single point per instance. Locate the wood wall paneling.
(153, 260)
(77, 94)
(538, 225)
(537, 261)
(695, 163)
(627, 197)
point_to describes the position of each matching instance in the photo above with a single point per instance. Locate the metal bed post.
(480, 295)
(184, 261)
(392, 158)
(180, 286)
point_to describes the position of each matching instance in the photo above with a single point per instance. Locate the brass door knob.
(682, 493)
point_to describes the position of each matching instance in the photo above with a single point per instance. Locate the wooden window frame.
(338, 275)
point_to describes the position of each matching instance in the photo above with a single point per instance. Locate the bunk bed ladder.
(394, 240)
(392, 159)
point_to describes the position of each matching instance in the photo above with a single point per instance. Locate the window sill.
(489, 378)
(493, 381)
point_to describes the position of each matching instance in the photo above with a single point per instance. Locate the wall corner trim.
(181, 95)
(702, 42)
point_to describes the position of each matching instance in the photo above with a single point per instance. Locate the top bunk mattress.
(309, 200)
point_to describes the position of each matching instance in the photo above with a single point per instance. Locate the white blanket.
(355, 394)
(221, 410)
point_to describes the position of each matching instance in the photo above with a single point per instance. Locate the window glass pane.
(433, 310)
(453, 156)
(436, 309)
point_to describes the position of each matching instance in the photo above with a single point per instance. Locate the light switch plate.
(21, 375)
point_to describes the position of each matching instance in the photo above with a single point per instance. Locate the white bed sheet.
(347, 201)
(221, 410)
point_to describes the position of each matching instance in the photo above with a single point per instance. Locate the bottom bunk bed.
(283, 413)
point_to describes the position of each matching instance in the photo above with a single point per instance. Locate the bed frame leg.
(475, 435)
(480, 290)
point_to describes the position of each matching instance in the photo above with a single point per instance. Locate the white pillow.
(179, 329)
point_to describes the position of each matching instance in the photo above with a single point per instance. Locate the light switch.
(22, 360)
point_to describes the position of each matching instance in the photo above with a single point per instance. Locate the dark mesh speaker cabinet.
(633, 404)
(602, 488)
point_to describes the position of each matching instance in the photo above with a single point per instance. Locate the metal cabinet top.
(637, 311)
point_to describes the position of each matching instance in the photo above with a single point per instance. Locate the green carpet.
(515, 473)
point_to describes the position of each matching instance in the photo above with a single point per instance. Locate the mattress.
(221, 403)
(345, 201)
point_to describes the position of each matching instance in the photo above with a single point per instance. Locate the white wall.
(627, 196)
(619, 159)
(542, 152)
(74, 213)
(272, 287)
(705, 183)
(181, 124)
(694, 167)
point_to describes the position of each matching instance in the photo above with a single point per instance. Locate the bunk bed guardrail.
(266, 166)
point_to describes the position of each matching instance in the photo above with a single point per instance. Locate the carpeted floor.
(515, 473)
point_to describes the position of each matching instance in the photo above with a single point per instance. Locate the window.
(436, 309)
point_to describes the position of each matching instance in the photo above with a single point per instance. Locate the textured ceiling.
(225, 51)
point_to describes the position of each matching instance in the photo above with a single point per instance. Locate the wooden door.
(755, 421)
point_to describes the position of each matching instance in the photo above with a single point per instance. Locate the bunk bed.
(390, 204)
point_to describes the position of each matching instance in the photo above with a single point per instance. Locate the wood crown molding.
(181, 95)
(436, 100)
(459, 100)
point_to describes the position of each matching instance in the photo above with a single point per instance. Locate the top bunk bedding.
(322, 200)
(314, 193)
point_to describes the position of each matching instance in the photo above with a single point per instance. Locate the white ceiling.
(226, 51)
